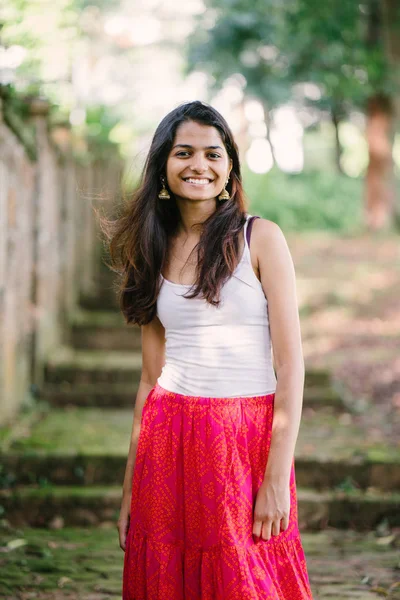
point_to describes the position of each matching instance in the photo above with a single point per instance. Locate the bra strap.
(249, 226)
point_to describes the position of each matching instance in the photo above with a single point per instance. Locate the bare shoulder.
(268, 237)
(267, 232)
(270, 249)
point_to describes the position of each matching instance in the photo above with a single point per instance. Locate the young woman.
(209, 508)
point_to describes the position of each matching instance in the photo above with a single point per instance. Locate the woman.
(209, 507)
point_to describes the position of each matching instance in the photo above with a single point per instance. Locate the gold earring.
(224, 195)
(164, 195)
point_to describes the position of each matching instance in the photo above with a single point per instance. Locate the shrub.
(306, 201)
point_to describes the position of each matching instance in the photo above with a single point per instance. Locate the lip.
(198, 178)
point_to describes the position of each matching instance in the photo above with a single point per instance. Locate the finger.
(285, 522)
(257, 526)
(122, 539)
(276, 527)
(266, 530)
(123, 531)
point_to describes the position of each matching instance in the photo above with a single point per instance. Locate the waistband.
(159, 391)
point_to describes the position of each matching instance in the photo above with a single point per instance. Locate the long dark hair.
(139, 242)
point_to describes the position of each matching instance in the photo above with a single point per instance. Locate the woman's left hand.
(271, 508)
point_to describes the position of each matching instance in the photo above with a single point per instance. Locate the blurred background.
(311, 91)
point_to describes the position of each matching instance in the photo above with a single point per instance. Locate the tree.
(337, 46)
(391, 34)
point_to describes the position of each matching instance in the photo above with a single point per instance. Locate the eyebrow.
(189, 146)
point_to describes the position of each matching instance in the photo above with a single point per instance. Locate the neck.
(193, 214)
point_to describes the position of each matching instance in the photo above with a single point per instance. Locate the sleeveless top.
(220, 351)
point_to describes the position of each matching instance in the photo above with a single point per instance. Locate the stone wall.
(49, 246)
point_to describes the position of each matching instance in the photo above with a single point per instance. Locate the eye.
(212, 155)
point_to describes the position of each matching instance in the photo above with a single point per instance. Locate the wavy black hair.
(139, 241)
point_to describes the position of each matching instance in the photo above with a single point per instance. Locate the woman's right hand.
(123, 520)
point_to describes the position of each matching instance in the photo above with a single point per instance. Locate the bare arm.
(153, 359)
(275, 265)
(278, 280)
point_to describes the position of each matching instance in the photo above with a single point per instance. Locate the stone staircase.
(69, 461)
(62, 467)
(62, 464)
(103, 364)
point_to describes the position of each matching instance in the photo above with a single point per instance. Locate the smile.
(196, 181)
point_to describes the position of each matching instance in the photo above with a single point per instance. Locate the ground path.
(86, 564)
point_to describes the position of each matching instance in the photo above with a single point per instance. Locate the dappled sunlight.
(259, 156)
(287, 139)
(350, 314)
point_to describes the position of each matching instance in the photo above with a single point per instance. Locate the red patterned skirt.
(199, 464)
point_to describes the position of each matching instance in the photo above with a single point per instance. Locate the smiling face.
(198, 164)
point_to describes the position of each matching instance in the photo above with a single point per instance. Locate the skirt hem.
(272, 569)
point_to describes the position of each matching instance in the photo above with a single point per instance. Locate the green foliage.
(100, 121)
(13, 99)
(340, 47)
(307, 201)
(43, 29)
(102, 5)
(234, 36)
(335, 45)
(15, 114)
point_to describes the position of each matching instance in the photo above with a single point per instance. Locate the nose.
(198, 163)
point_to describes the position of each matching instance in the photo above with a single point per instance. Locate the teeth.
(197, 181)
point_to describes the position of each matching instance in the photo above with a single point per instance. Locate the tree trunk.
(379, 188)
(379, 183)
(268, 122)
(338, 146)
(391, 34)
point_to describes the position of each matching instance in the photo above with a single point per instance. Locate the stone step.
(103, 331)
(106, 395)
(83, 367)
(320, 396)
(85, 506)
(111, 378)
(318, 378)
(331, 451)
(107, 331)
(323, 435)
(100, 469)
(104, 338)
(105, 300)
(101, 366)
(120, 394)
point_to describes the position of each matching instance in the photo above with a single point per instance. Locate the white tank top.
(220, 351)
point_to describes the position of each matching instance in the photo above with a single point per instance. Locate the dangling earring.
(164, 195)
(224, 195)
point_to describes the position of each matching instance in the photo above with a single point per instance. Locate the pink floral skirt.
(199, 464)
